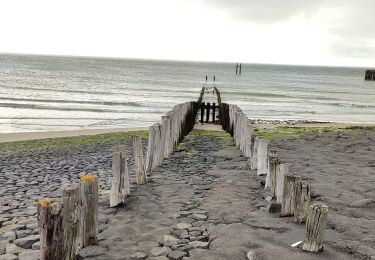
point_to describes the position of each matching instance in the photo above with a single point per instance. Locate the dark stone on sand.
(274, 207)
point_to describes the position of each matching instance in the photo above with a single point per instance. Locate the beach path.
(202, 203)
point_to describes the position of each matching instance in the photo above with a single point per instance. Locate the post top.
(88, 178)
(47, 202)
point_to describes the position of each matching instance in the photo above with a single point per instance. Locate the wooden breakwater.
(70, 224)
(370, 75)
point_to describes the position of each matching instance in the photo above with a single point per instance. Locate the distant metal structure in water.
(238, 68)
(370, 75)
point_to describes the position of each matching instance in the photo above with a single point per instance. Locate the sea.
(51, 93)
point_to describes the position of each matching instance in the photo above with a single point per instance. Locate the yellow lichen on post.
(46, 202)
(88, 178)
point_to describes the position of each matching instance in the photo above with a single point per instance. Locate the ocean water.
(44, 93)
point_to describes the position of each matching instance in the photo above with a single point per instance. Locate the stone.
(29, 255)
(160, 251)
(169, 240)
(251, 255)
(161, 258)
(11, 227)
(273, 207)
(199, 216)
(139, 256)
(91, 251)
(3, 245)
(176, 255)
(199, 244)
(8, 257)
(13, 249)
(23, 233)
(183, 225)
(8, 236)
(27, 242)
(36, 246)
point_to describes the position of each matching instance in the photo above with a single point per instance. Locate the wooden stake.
(272, 155)
(289, 195)
(71, 212)
(302, 201)
(141, 176)
(262, 157)
(282, 170)
(150, 150)
(315, 225)
(120, 181)
(51, 229)
(89, 214)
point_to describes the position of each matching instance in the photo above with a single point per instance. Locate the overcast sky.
(318, 32)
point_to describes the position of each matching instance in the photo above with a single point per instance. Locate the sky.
(308, 32)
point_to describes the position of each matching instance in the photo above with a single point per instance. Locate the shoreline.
(27, 136)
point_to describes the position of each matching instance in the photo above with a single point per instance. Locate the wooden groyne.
(70, 224)
(370, 75)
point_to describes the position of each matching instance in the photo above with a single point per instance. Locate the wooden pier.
(370, 75)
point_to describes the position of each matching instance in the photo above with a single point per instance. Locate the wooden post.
(71, 212)
(120, 181)
(302, 201)
(89, 210)
(167, 135)
(208, 112)
(156, 156)
(262, 157)
(281, 171)
(140, 172)
(274, 165)
(213, 113)
(202, 113)
(51, 229)
(289, 195)
(315, 225)
(150, 149)
(272, 155)
(254, 157)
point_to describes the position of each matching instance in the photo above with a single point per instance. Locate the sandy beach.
(207, 171)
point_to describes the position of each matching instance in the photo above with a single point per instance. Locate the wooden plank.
(289, 195)
(88, 187)
(302, 201)
(262, 157)
(282, 170)
(50, 221)
(150, 150)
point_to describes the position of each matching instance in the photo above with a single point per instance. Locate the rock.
(160, 251)
(13, 249)
(9, 236)
(29, 255)
(36, 246)
(91, 251)
(11, 227)
(8, 257)
(27, 242)
(139, 255)
(3, 245)
(199, 244)
(23, 233)
(161, 258)
(274, 207)
(176, 255)
(183, 225)
(169, 240)
(199, 216)
(251, 255)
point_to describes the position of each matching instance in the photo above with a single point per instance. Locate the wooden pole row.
(68, 225)
(289, 190)
(164, 137)
(370, 75)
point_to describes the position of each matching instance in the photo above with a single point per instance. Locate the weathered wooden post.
(140, 172)
(282, 170)
(208, 106)
(213, 113)
(50, 221)
(88, 187)
(202, 113)
(120, 181)
(316, 221)
(289, 195)
(71, 212)
(150, 149)
(262, 157)
(302, 201)
(274, 165)
(272, 155)
(254, 157)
